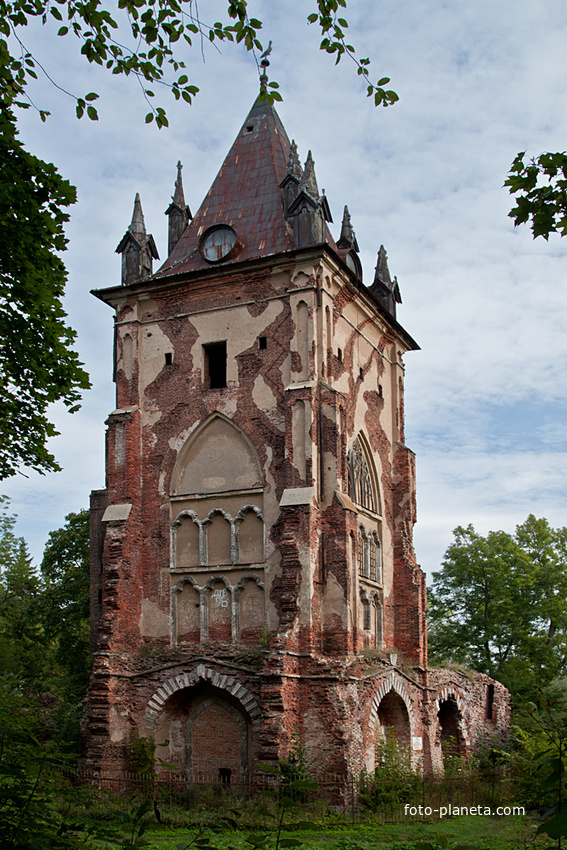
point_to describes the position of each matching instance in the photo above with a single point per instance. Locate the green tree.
(37, 363)
(64, 610)
(25, 656)
(499, 604)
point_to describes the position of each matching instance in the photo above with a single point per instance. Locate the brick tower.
(253, 572)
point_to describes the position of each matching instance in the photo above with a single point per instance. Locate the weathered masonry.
(253, 572)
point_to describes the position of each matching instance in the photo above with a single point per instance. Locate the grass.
(485, 833)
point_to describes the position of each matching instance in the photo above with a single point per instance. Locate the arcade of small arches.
(232, 546)
(217, 610)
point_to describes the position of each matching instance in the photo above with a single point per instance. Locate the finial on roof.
(293, 163)
(265, 62)
(178, 196)
(178, 212)
(137, 225)
(347, 237)
(308, 179)
(382, 271)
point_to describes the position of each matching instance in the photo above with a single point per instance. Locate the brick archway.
(187, 680)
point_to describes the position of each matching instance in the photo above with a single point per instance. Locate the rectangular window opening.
(168, 358)
(215, 365)
(489, 707)
(262, 342)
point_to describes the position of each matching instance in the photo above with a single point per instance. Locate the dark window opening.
(224, 775)
(361, 373)
(168, 358)
(489, 702)
(340, 355)
(262, 342)
(380, 390)
(215, 365)
(249, 128)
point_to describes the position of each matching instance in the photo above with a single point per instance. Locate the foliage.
(292, 788)
(393, 782)
(499, 604)
(64, 607)
(25, 657)
(37, 363)
(153, 34)
(540, 187)
(550, 726)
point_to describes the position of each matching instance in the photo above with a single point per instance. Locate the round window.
(219, 244)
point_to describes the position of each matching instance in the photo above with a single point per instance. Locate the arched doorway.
(205, 732)
(450, 720)
(393, 731)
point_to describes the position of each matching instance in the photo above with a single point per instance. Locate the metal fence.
(254, 801)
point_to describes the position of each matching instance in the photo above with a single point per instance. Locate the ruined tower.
(253, 572)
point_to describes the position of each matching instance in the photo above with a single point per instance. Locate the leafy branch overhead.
(157, 33)
(540, 187)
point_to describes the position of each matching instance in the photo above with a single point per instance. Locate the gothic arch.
(363, 486)
(216, 457)
(393, 682)
(451, 694)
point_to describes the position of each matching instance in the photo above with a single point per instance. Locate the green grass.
(486, 833)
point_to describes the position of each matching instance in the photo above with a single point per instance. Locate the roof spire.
(293, 164)
(265, 63)
(178, 213)
(308, 179)
(137, 225)
(178, 197)
(383, 288)
(348, 237)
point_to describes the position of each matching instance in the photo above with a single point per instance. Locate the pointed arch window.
(360, 487)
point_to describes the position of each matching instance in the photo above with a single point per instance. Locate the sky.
(486, 398)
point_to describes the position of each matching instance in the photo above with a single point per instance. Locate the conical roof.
(245, 195)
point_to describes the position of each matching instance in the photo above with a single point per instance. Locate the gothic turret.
(178, 213)
(290, 183)
(386, 290)
(308, 212)
(348, 238)
(138, 248)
